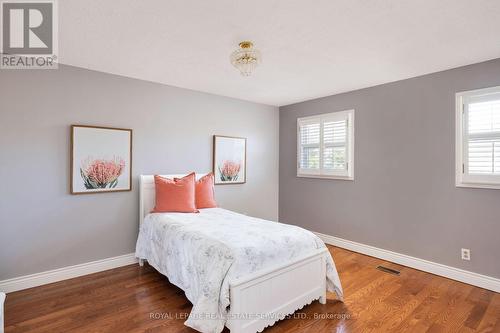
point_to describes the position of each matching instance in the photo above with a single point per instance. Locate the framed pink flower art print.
(101, 159)
(229, 160)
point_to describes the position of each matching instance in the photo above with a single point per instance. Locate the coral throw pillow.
(175, 195)
(205, 193)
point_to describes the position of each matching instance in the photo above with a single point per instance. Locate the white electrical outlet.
(465, 254)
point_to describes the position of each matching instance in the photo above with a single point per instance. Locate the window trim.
(303, 173)
(461, 178)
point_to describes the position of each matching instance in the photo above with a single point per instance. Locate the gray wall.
(42, 227)
(403, 197)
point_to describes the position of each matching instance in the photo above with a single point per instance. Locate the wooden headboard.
(147, 192)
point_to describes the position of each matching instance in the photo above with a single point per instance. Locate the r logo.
(27, 27)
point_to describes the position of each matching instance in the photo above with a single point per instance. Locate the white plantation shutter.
(310, 145)
(334, 143)
(480, 137)
(325, 145)
(483, 131)
(484, 157)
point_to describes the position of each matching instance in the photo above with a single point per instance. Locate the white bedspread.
(201, 253)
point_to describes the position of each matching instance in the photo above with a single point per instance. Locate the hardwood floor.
(134, 299)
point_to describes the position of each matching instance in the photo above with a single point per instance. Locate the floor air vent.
(388, 270)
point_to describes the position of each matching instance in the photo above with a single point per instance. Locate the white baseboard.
(475, 279)
(38, 279)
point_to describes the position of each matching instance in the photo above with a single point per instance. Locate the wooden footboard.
(262, 299)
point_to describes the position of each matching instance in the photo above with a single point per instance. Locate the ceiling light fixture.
(246, 58)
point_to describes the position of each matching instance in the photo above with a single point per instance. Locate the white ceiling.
(310, 48)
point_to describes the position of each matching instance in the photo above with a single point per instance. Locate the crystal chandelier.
(246, 58)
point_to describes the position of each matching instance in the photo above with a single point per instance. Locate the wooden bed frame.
(262, 298)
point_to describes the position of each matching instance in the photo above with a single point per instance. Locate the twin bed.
(237, 271)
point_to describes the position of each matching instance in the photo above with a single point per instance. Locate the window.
(325, 145)
(478, 138)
